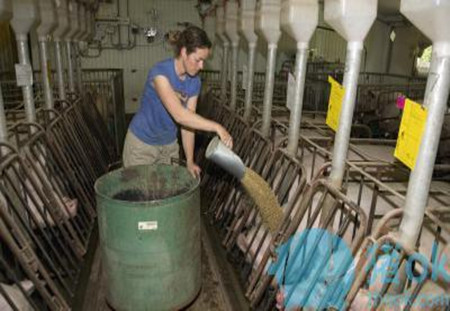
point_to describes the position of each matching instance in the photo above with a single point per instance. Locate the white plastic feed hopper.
(299, 18)
(352, 19)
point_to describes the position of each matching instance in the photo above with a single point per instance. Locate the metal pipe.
(223, 88)
(60, 70)
(77, 40)
(5, 16)
(234, 65)
(438, 86)
(58, 34)
(296, 113)
(268, 91)
(27, 90)
(70, 38)
(231, 32)
(225, 158)
(48, 94)
(3, 129)
(70, 66)
(49, 22)
(78, 68)
(342, 139)
(249, 82)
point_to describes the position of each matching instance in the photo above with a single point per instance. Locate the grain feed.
(264, 198)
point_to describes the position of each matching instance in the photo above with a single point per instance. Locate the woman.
(170, 98)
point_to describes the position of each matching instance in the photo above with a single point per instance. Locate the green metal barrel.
(149, 221)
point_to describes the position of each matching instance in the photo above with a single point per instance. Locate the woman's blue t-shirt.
(152, 123)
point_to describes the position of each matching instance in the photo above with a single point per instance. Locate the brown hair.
(191, 38)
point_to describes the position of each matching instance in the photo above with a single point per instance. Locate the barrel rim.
(151, 202)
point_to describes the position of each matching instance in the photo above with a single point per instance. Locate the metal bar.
(268, 91)
(3, 130)
(45, 71)
(45, 241)
(296, 113)
(60, 70)
(234, 64)
(438, 86)
(249, 82)
(27, 90)
(223, 86)
(341, 143)
(70, 67)
(31, 264)
(78, 69)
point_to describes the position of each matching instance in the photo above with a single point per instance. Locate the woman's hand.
(224, 136)
(194, 169)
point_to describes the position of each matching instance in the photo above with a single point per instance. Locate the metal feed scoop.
(225, 158)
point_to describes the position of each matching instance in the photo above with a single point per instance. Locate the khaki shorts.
(136, 152)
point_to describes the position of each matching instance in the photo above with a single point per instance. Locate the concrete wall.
(377, 48)
(404, 50)
(137, 61)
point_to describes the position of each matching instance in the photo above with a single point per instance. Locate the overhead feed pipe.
(299, 19)
(62, 13)
(220, 31)
(73, 29)
(231, 31)
(267, 22)
(430, 17)
(5, 15)
(352, 19)
(247, 30)
(49, 21)
(25, 19)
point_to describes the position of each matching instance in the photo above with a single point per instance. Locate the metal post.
(438, 86)
(27, 90)
(78, 69)
(70, 66)
(342, 138)
(268, 91)
(60, 70)
(296, 113)
(249, 82)
(234, 61)
(48, 93)
(3, 129)
(223, 88)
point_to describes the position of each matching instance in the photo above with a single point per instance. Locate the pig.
(431, 297)
(17, 296)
